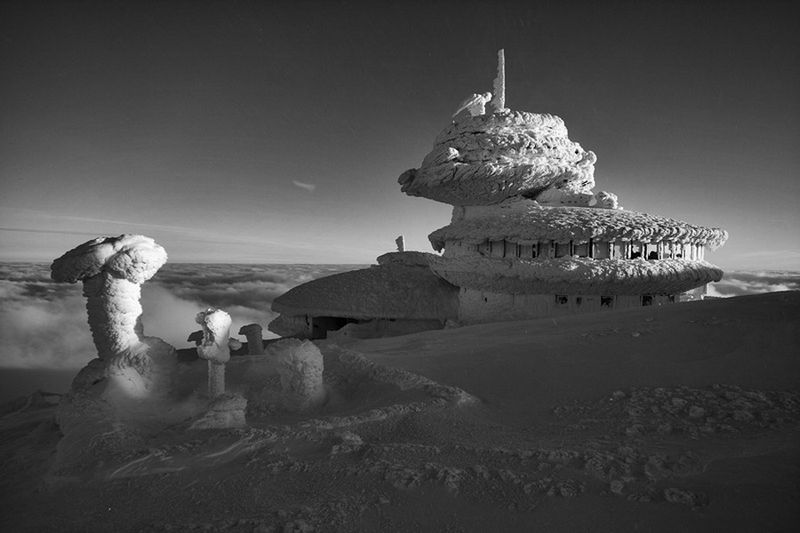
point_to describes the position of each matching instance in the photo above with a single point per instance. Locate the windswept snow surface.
(675, 418)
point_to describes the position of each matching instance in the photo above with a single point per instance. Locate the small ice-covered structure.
(300, 366)
(112, 270)
(398, 295)
(214, 348)
(255, 342)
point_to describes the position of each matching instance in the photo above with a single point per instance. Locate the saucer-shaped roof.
(485, 159)
(387, 291)
(575, 275)
(527, 221)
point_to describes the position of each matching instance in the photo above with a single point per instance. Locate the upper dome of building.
(487, 158)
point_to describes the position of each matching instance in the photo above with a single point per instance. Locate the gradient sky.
(275, 131)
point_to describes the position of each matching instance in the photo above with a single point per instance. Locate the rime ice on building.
(529, 237)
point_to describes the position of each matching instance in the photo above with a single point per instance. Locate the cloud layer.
(43, 324)
(742, 283)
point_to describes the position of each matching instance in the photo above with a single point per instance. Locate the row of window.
(593, 249)
(607, 301)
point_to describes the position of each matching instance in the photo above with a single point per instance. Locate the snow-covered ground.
(676, 418)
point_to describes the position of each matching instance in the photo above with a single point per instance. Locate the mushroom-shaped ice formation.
(255, 344)
(112, 270)
(214, 348)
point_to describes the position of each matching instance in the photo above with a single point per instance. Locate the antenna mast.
(498, 103)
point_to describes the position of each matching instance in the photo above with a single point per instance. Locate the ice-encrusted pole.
(214, 348)
(498, 103)
(255, 343)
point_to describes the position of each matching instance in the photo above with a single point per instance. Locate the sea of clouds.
(43, 324)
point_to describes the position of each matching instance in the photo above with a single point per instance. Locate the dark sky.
(194, 122)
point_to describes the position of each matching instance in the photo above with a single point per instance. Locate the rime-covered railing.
(592, 249)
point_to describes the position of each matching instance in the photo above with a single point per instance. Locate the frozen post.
(255, 344)
(498, 103)
(216, 327)
(401, 244)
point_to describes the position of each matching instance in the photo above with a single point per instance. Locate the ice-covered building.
(528, 236)
(398, 295)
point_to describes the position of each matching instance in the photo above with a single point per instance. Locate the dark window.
(561, 300)
(578, 300)
(607, 301)
(647, 299)
(582, 250)
(321, 325)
